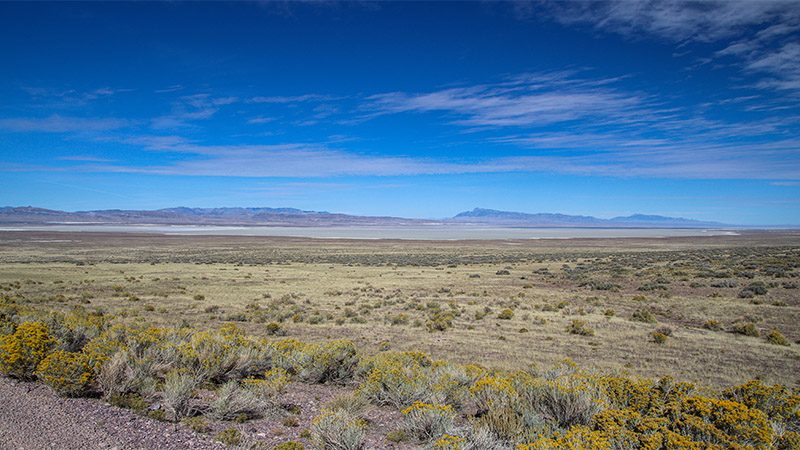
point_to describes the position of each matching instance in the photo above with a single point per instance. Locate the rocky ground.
(33, 417)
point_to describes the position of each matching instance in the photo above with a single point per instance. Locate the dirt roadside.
(32, 417)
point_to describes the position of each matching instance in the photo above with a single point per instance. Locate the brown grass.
(309, 285)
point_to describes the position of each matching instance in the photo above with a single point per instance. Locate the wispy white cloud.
(287, 99)
(189, 108)
(168, 89)
(53, 98)
(528, 100)
(762, 35)
(599, 155)
(288, 160)
(676, 20)
(83, 158)
(782, 66)
(259, 120)
(62, 124)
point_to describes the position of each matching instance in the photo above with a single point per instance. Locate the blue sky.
(407, 109)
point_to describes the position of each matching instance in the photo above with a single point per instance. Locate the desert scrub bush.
(70, 374)
(274, 329)
(499, 410)
(289, 354)
(198, 424)
(666, 414)
(775, 337)
(116, 377)
(395, 378)
(22, 351)
(643, 315)
(579, 327)
(289, 445)
(449, 383)
(753, 289)
(440, 321)
(354, 404)
(563, 396)
(334, 362)
(425, 422)
(745, 328)
(273, 384)
(241, 402)
(222, 356)
(780, 403)
(712, 325)
(471, 437)
(448, 442)
(602, 286)
(641, 395)
(338, 430)
(576, 438)
(177, 394)
(506, 314)
(661, 334)
(398, 319)
(229, 436)
(722, 422)
(493, 392)
(659, 337)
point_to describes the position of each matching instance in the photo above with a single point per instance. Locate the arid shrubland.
(177, 392)
(337, 429)
(425, 422)
(240, 401)
(226, 375)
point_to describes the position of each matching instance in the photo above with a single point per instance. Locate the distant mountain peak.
(513, 218)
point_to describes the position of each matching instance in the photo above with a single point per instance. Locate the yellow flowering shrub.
(626, 428)
(448, 442)
(333, 361)
(23, 350)
(396, 378)
(219, 356)
(789, 440)
(69, 373)
(493, 391)
(75, 328)
(274, 382)
(730, 423)
(562, 408)
(577, 438)
(450, 383)
(642, 395)
(289, 354)
(778, 402)
(425, 421)
(108, 342)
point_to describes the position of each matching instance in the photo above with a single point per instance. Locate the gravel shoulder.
(33, 417)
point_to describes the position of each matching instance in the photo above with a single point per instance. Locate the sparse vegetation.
(181, 361)
(580, 328)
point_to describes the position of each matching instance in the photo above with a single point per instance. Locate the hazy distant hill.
(195, 216)
(295, 217)
(517, 219)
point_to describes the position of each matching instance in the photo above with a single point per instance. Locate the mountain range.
(29, 215)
